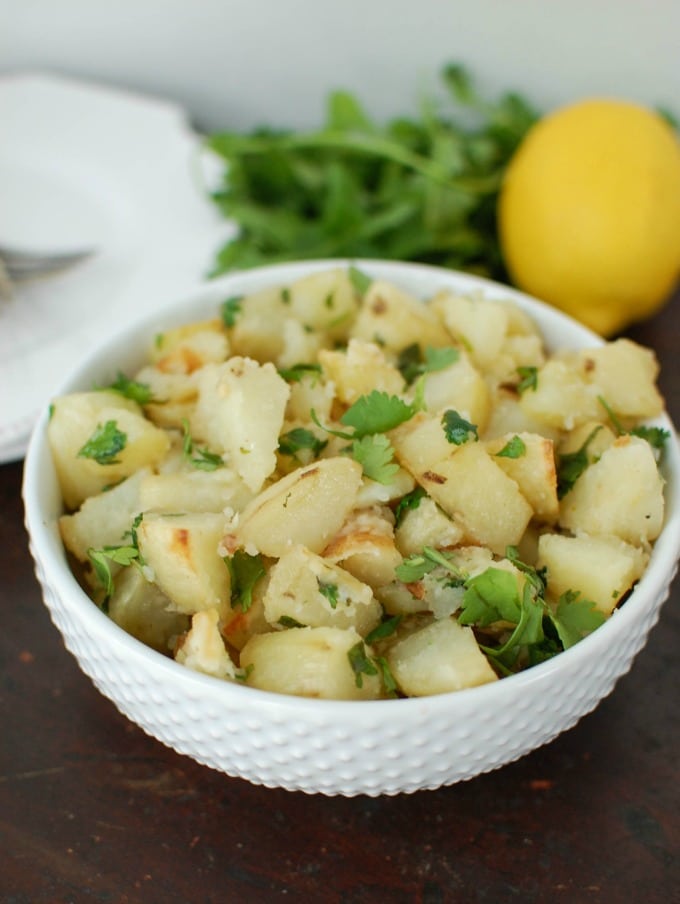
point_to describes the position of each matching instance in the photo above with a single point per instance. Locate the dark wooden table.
(91, 809)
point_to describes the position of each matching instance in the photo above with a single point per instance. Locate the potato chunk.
(601, 569)
(395, 319)
(140, 607)
(203, 650)
(476, 492)
(306, 588)
(308, 662)
(437, 659)
(533, 470)
(240, 410)
(182, 551)
(306, 507)
(625, 375)
(77, 434)
(621, 494)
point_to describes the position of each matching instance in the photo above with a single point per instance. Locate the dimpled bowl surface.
(333, 747)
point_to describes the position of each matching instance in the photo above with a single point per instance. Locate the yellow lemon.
(589, 212)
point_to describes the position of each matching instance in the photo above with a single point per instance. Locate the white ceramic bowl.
(373, 747)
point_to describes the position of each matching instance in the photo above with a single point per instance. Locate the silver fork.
(17, 265)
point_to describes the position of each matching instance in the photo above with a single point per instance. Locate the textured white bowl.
(375, 747)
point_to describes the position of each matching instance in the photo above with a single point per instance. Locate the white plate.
(83, 165)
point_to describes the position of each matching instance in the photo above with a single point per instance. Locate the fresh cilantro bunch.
(421, 188)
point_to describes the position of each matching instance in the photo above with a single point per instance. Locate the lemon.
(589, 212)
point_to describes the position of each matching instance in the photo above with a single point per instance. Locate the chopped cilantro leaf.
(384, 629)
(456, 429)
(514, 448)
(528, 378)
(491, 596)
(360, 663)
(287, 621)
(570, 465)
(412, 364)
(407, 503)
(375, 454)
(575, 618)
(330, 591)
(655, 436)
(298, 438)
(202, 459)
(104, 444)
(230, 309)
(360, 281)
(377, 412)
(132, 389)
(295, 373)
(101, 562)
(245, 571)
(388, 680)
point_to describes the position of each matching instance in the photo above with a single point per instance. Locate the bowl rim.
(48, 550)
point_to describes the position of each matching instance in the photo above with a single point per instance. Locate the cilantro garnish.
(101, 559)
(295, 373)
(408, 503)
(514, 448)
(375, 454)
(415, 567)
(570, 465)
(299, 438)
(202, 459)
(245, 572)
(230, 309)
(104, 444)
(655, 436)
(132, 389)
(456, 429)
(330, 591)
(412, 363)
(384, 629)
(361, 664)
(377, 412)
(287, 621)
(575, 618)
(389, 683)
(360, 281)
(528, 378)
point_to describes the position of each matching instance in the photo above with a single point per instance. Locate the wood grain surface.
(93, 810)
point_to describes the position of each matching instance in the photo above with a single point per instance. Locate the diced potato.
(308, 662)
(474, 490)
(480, 325)
(507, 415)
(602, 569)
(620, 494)
(365, 546)
(182, 552)
(194, 491)
(173, 396)
(139, 607)
(394, 320)
(310, 392)
(104, 519)
(426, 525)
(359, 370)
(562, 397)
(371, 492)
(325, 302)
(516, 352)
(313, 592)
(258, 324)
(625, 374)
(461, 387)
(186, 348)
(75, 421)
(420, 442)
(437, 659)
(203, 650)
(240, 411)
(300, 346)
(533, 471)
(306, 507)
